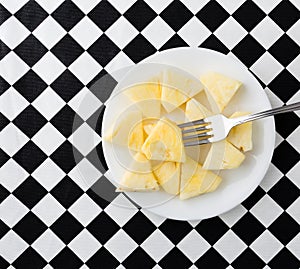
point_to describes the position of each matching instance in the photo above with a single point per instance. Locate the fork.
(217, 127)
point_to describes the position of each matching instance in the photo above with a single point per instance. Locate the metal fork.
(217, 127)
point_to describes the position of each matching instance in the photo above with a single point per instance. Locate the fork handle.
(268, 113)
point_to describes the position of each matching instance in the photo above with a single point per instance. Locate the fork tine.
(196, 142)
(196, 136)
(191, 123)
(203, 128)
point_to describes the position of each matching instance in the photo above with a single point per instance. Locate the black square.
(30, 121)
(66, 156)
(174, 42)
(175, 230)
(248, 50)
(248, 15)
(3, 230)
(139, 227)
(285, 50)
(97, 199)
(284, 85)
(4, 14)
(175, 256)
(30, 192)
(285, 157)
(102, 256)
(248, 228)
(96, 157)
(286, 123)
(284, 228)
(4, 193)
(66, 259)
(212, 15)
(3, 121)
(103, 227)
(66, 227)
(3, 158)
(248, 259)
(3, 263)
(139, 259)
(139, 48)
(67, 50)
(176, 14)
(30, 259)
(31, 50)
(211, 259)
(68, 14)
(254, 198)
(30, 227)
(212, 229)
(31, 15)
(66, 192)
(284, 259)
(103, 50)
(30, 86)
(67, 85)
(4, 85)
(212, 42)
(4, 50)
(30, 156)
(66, 121)
(285, 14)
(104, 15)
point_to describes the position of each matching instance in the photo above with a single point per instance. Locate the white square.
(13, 32)
(156, 219)
(267, 5)
(85, 209)
(48, 245)
(293, 139)
(231, 6)
(266, 210)
(12, 139)
(48, 174)
(85, 32)
(118, 64)
(294, 246)
(12, 175)
(232, 216)
(84, 245)
(121, 210)
(12, 67)
(49, 6)
(294, 210)
(230, 33)
(193, 245)
(272, 176)
(266, 246)
(230, 246)
(12, 103)
(12, 210)
(86, 6)
(48, 68)
(295, 98)
(85, 68)
(121, 245)
(11, 246)
(266, 67)
(267, 32)
(293, 67)
(194, 32)
(48, 103)
(84, 174)
(158, 32)
(278, 139)
(49, 32)
(193, 5)
(48, 139)
(116, 32)
(48, 209)
(158, 6)
(122, 5)
(157, 245)
(296, 3)
(85, 103)
(13, 5)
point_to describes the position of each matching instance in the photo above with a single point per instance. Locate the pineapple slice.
(147, 97)
(148, 128)
(195, 180)
(177, 89)
(168, 176)
(164, 143)
(195, 111)
(241, 136)
(139, 177)
(223, 155)
(127, 131)
(220, 87)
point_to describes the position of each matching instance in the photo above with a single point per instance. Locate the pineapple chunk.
(139, 177)
(195, 111)
(195, 180)
(147, 97)
(148, 128)
(164, 143)
(241, 136)
(177, 89)
(127, 131)
(168, 176)
(220, 87)
(223, 155)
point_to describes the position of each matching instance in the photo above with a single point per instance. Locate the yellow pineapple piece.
(195, 111)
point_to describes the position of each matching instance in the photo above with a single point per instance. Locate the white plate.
(238, 183)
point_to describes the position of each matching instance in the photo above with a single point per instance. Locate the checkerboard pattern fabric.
(51, 52)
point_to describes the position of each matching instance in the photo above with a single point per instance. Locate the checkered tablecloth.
(51, 52)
